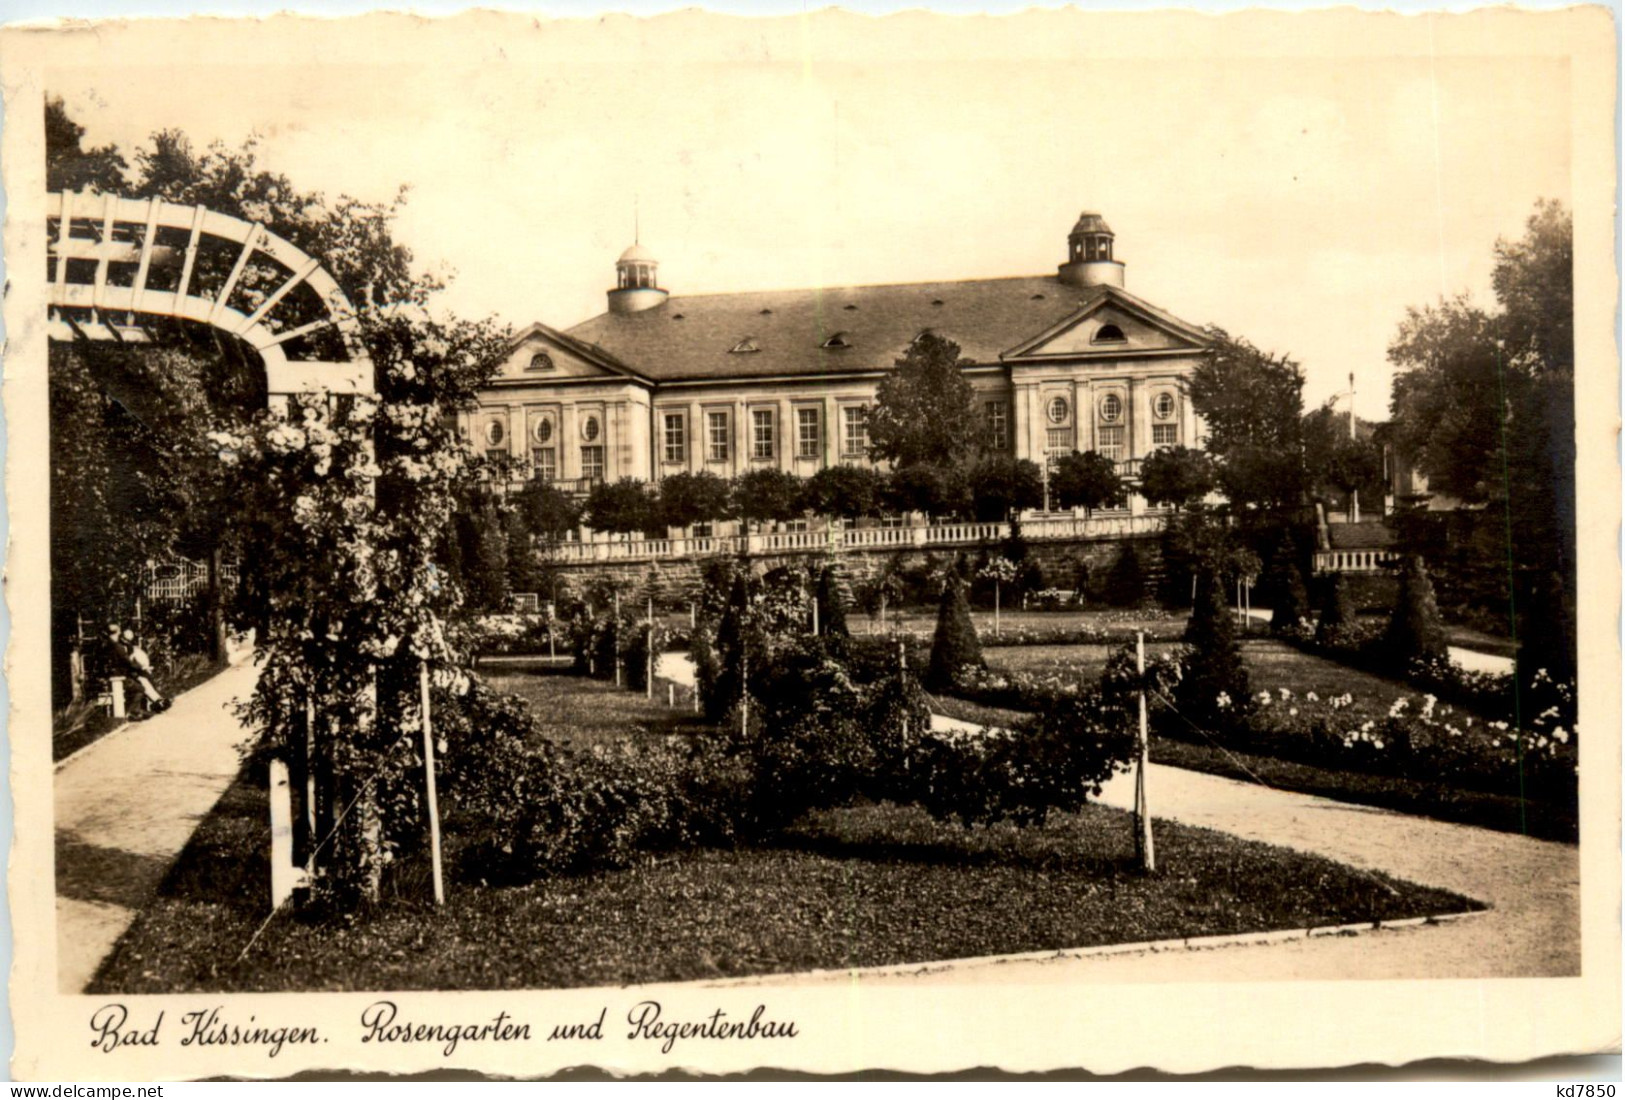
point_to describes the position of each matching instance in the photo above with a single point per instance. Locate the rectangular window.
(543, 464)
(855, 430)
(592, 463)
(808, 440)
(1110, 442)
(1164, 435)
(1057, 440)
(676, 438)
(716, 430)
(761, 428)
(998, 425)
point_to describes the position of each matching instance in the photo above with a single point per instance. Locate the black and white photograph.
(825, 542)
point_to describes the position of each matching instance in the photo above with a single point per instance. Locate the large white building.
(661, 383)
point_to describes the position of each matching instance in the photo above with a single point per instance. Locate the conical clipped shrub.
(1286, 588)
(1336, 611)
(955, 644)
(831, 599)
(1214, 692)
(1416, 629)
(1125, 584)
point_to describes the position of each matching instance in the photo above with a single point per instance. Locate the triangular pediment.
(541, 354)
(1115, 324)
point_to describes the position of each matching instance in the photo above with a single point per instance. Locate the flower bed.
(1377, 729)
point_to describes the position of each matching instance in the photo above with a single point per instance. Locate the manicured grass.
(76, 726)
(575, 710)
(866, 886)
(1119, 623)
(1085, 660)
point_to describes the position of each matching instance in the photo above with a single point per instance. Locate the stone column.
(832, 425)
(699, 437)
(787, 436)
(569, 443)
(740, 459)
(518, 435)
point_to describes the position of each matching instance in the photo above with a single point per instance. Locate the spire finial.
(636, 233)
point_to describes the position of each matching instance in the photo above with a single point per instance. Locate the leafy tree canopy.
(1252, 403)
(690, 498)
(925, 408)
(1001, 485)
(1176, 475)
(1086, 480)
(767, 496)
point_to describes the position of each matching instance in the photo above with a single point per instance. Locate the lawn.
(865, 886)
(1116, 622)
(579, 711)
(1086, 661)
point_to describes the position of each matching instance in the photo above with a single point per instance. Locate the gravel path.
(127, 804)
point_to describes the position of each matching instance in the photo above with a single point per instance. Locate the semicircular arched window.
(540, 361)
(1109, 334)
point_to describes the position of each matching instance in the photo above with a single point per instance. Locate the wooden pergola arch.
(117, 230)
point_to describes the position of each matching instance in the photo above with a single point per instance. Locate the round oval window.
(1165, 406)
(543, 430)
(1058, 409)
(589, 429)
(1111, 408)
(494, 432)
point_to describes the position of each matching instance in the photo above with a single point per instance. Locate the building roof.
(1089, 222)
(636, 253)
(693, 337)
(1368, 535)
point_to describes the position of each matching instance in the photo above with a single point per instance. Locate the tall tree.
(925, 409)
(1252, 402)
(1335, 462)
(1483, 403)
(849, 492)
(767, 496)
(69, 166)
(623, 507)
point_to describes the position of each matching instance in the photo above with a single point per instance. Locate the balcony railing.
(863, 538)
(1354, 561)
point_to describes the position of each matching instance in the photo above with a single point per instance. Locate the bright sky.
(1298, 183)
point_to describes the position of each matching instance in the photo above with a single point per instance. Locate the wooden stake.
(428, 774)
(1144, 845)
(649, 656)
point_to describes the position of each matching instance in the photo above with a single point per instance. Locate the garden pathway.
(126, 805)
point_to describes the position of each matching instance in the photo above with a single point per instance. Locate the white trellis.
(103, 253)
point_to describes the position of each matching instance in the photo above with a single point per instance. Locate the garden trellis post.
(428, 775)
(649, 654)
(1144, 845)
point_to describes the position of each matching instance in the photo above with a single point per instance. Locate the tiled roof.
(1360, 536)
(692, 337)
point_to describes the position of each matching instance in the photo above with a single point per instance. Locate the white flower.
(1560, 735)
(1377, 744)
(1223, 700)
(1293, 712)
(1312, 697)
(1264, 698)
(1285, 694)
(1498, 726)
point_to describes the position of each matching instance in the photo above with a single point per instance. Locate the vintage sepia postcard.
(1055, 541)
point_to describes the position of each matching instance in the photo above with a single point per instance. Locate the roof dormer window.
(839, 340)
(744, 347)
